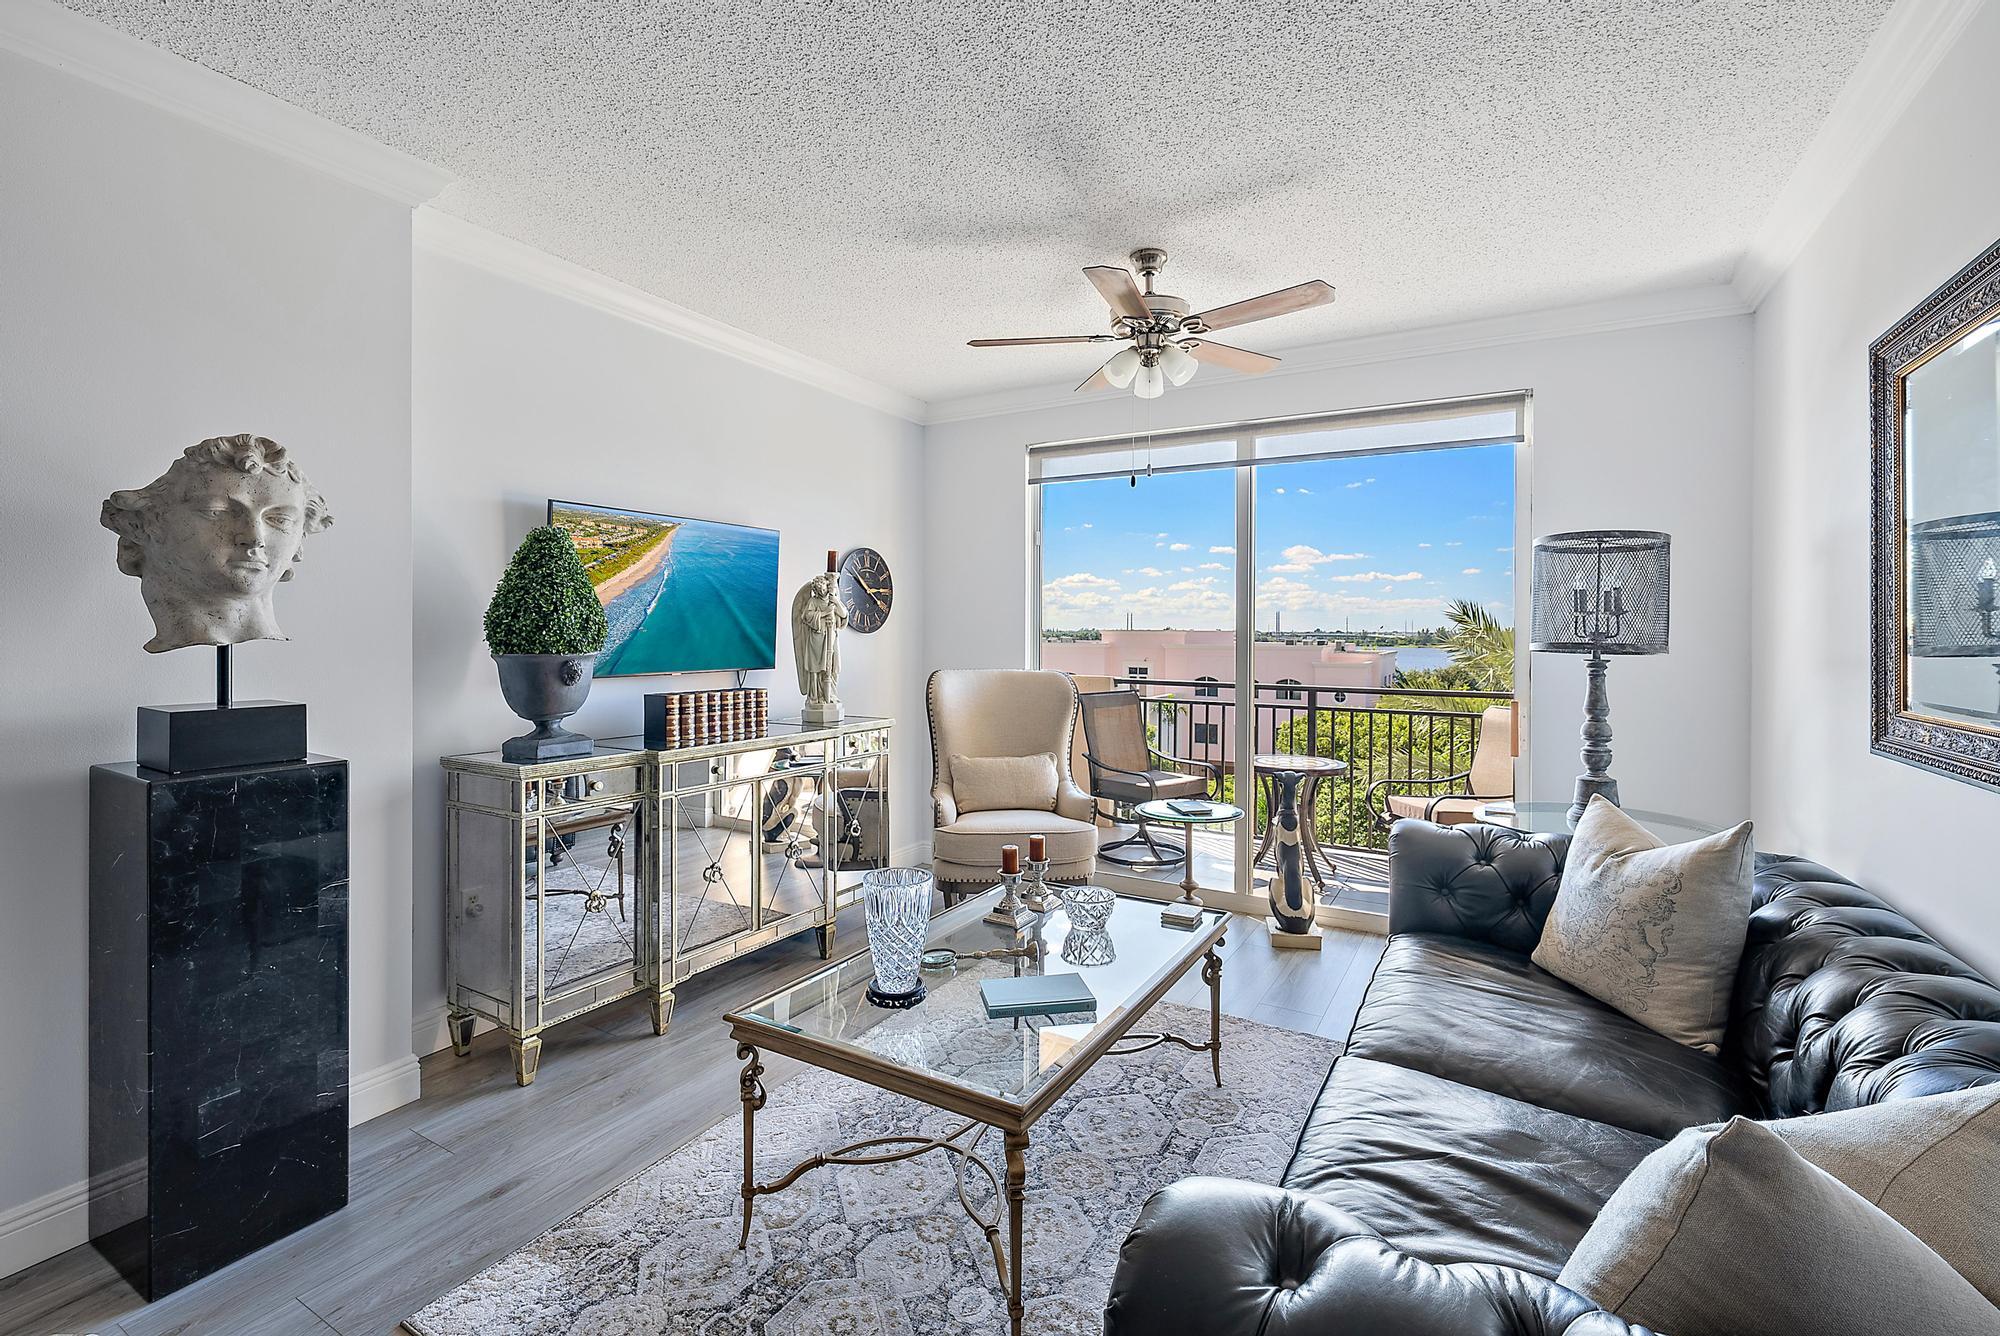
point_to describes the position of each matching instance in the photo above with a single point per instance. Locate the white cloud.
(1363, 483)
(1455, 542)
(1364, 577)
(1223, 551)
(1305, 491)
(1503, 550)
(1304, 554)
(1177, 547)
(1150, 572)
(1085, 525)
(1280, 491)
(1159, 535)
(1470, 570)
(1214, 566)
(1423, 544)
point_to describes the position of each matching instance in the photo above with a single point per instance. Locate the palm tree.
(1480, 647)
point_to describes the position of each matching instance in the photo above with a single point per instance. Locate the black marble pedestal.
(218, 1012)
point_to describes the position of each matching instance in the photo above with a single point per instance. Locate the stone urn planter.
(545, 689)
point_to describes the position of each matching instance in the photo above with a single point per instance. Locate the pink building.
(1180, 664)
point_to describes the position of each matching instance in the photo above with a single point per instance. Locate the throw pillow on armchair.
(1004, 783)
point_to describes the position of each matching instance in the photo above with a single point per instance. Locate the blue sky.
(1364, 542)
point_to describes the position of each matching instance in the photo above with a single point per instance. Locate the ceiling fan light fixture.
(1178, 364)
(1122, 368)
(1150, 383)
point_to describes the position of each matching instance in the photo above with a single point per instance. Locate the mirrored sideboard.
(575, 883)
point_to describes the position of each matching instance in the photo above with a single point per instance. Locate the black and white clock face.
(866, 589)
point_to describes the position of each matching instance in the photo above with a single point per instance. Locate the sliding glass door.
(1358, 643)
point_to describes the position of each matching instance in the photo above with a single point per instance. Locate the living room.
(509, 318)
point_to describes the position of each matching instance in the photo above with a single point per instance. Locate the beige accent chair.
(1453, 799)
(1004, 712)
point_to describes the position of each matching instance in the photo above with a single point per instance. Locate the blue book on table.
(1036, 995)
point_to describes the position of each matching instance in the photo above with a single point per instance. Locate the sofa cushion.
(1655, 930)
(1456, 1174)
(1728, 1232)
(1485, 1016)
(975, 838)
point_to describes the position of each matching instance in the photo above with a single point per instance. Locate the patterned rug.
(886, 1250)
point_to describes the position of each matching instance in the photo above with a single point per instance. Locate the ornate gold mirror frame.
(1944, 614)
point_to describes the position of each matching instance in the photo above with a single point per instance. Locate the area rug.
(886, 1250)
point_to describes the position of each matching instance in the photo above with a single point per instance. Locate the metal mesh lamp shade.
(1599, 592)
(1954, 563)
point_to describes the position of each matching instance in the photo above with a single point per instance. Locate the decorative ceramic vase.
(545, 689)
(898, 903)
(1288, 889)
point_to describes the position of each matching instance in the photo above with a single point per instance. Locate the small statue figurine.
(212, 538)
(1289, 909)
(818, 617)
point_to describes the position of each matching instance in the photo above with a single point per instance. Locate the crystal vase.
(898, 903)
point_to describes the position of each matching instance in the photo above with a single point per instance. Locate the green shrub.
(544, 603)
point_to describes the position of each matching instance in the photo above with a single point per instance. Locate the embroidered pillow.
(1651, 929)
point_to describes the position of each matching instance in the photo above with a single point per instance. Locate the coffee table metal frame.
(982, 1109)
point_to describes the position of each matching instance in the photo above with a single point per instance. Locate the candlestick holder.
(1038, 895)
(1012, 912)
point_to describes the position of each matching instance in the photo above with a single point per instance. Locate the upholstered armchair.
(1126, 770)
(1453, 799)
(980, 719)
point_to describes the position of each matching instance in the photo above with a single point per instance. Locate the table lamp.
(1600, 592)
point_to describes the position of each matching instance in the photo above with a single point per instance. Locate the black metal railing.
(1419, 735)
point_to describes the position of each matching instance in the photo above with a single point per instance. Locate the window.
(1288, 689)
(1209, 690)
(1137, 670)
(1208, 735)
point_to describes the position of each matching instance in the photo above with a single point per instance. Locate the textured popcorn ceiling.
(875, 182)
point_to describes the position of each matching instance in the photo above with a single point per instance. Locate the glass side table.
(1187, 909)
(1553, 819)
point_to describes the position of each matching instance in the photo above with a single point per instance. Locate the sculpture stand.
(1312, 939)
(182, 738)
(818, 714)
(1596, 778)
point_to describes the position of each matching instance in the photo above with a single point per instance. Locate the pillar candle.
(1010, 859)
(832, 561)
(1038, 848)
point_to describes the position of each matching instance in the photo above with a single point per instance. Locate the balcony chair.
(1126, 770)
(990, 714)
(1451, 800)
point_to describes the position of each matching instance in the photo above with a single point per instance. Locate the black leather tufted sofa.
(1484, 1110)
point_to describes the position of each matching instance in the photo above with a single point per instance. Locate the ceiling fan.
(1168, 345)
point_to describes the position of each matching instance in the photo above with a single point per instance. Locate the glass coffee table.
(997, 1073)
(1552, 818)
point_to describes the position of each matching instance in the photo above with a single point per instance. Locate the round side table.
(1317, 770)
(1217, 814)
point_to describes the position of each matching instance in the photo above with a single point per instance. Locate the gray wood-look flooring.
(479, 1166)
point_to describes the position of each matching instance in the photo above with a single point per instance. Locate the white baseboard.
(390, 1086)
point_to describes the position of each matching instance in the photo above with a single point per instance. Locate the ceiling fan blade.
(1236, 359)
(1119, 290)
(1282, 302)
(1050, 338)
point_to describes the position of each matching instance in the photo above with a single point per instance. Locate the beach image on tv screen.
(681, 595)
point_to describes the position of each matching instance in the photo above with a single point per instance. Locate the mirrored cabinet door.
(858, 821)
(581, 922)
(710, 861)
(791, 806)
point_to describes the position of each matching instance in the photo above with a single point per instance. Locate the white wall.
(521, 395)
(162, 284)
(1921, 207)
(1640, 427)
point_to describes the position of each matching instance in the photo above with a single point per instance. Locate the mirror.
(1935, 400)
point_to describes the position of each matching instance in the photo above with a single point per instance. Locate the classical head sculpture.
(212, 537)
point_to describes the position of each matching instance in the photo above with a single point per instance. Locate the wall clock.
(866, 589)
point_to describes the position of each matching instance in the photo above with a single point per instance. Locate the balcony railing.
(1420, 735)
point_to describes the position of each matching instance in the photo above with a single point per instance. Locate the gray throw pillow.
(1728, 1232)
(1653, 930)
(1931, 1163)
(1004, 783)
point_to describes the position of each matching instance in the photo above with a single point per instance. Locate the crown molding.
(45, 32)
(1672, 306)
(1904, 54)
(454, 238)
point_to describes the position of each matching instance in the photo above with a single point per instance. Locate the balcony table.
(1317, 770)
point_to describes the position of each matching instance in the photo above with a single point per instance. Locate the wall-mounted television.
(682, 595)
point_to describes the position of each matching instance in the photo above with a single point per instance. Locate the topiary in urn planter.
(545, 627)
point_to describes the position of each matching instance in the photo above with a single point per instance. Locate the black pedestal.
(218, 1012)
(179, 738)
